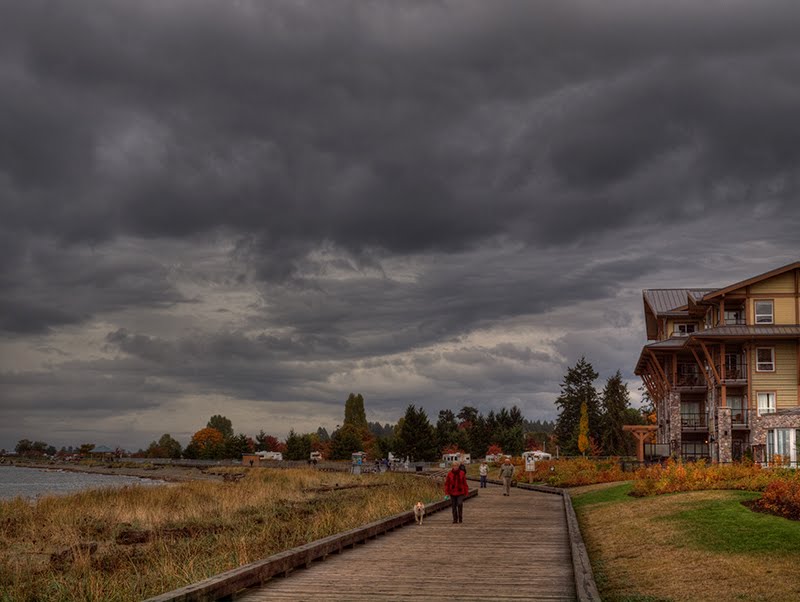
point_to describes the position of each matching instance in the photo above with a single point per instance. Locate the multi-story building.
(723, 368)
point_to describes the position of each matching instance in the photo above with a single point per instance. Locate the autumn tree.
(207, 444)
(583, 429)
(266, 442)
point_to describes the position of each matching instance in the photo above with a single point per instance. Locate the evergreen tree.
(354, 412)
(416, 438)
(222, 424)
(576, 388)
(345, 441)
(615, 400)
(322, 434)
(478, 437)
(298, 447)
(237, 446)
(446, 429)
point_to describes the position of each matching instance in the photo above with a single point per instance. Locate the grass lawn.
(701, 545)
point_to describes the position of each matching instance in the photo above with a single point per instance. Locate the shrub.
(782, 498)
(674, 477)
(578, 471)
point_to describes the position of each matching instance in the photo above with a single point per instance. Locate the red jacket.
(456, 483)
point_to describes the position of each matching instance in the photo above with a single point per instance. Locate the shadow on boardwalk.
(507, 548)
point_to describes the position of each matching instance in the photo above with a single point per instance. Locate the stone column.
(674, 415)
(724, 434)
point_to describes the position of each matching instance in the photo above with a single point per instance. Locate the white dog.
(419, 512)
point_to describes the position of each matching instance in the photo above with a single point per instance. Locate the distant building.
(723, 367)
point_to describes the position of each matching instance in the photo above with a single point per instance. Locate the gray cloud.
(434, 201)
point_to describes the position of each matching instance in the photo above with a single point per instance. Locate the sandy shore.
(176, 474)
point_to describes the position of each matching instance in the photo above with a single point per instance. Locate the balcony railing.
(689, 375)
(735, 320)
(735, 368)
(740, 417)
(694, 421)
(694, 450)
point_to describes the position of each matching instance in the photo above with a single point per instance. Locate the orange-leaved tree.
(583, 429)
(207, 443)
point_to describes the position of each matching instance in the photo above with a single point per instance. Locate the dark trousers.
(483, 480)
(458, 507)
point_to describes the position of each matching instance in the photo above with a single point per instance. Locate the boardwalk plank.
(508, 548)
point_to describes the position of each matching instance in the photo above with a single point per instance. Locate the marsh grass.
(131, 543)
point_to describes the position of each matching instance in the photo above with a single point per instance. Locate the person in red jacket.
(455, 485)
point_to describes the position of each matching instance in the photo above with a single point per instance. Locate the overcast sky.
(255, 208)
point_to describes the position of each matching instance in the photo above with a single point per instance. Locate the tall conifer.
(576, 388)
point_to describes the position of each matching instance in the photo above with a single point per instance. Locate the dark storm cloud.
(383, 180)
(387, 125)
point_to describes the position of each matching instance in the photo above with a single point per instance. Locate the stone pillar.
(724, 435)
(674, 416)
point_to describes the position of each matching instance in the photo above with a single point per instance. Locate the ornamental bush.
(677, 476)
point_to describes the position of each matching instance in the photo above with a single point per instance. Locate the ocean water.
(34, 482)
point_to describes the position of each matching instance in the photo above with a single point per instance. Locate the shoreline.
(170, 474)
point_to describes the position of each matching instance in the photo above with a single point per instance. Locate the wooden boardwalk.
(507, 548)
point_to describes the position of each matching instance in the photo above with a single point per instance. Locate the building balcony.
(735, 370)
(689, 376)
(694, 421)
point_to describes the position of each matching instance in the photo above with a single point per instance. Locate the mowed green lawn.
(702, 545)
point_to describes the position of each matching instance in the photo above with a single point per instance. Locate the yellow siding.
(783, 310)
(784, 380)
(784, 283)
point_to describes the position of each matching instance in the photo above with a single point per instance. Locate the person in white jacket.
(484, 472)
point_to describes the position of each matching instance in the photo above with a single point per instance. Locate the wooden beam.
(657, 380)
(710, 362)
(708, 375)
(674, 368)
(722, 311)
(660, 369)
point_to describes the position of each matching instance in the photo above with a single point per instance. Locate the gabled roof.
(666, 301)
(772, 273)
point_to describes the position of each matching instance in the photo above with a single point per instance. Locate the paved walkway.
(507, 548)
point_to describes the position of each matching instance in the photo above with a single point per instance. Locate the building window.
(682, 330)
(766, 403)
(782, 446)
(765, 359)
(764, 312)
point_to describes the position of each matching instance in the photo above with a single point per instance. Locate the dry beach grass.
(130, 543)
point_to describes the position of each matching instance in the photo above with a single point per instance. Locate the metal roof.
(671, 343)
(749, 331)
(670, 300)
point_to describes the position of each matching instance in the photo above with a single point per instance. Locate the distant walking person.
(455, 485)
(484, 472)
(506, 473)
